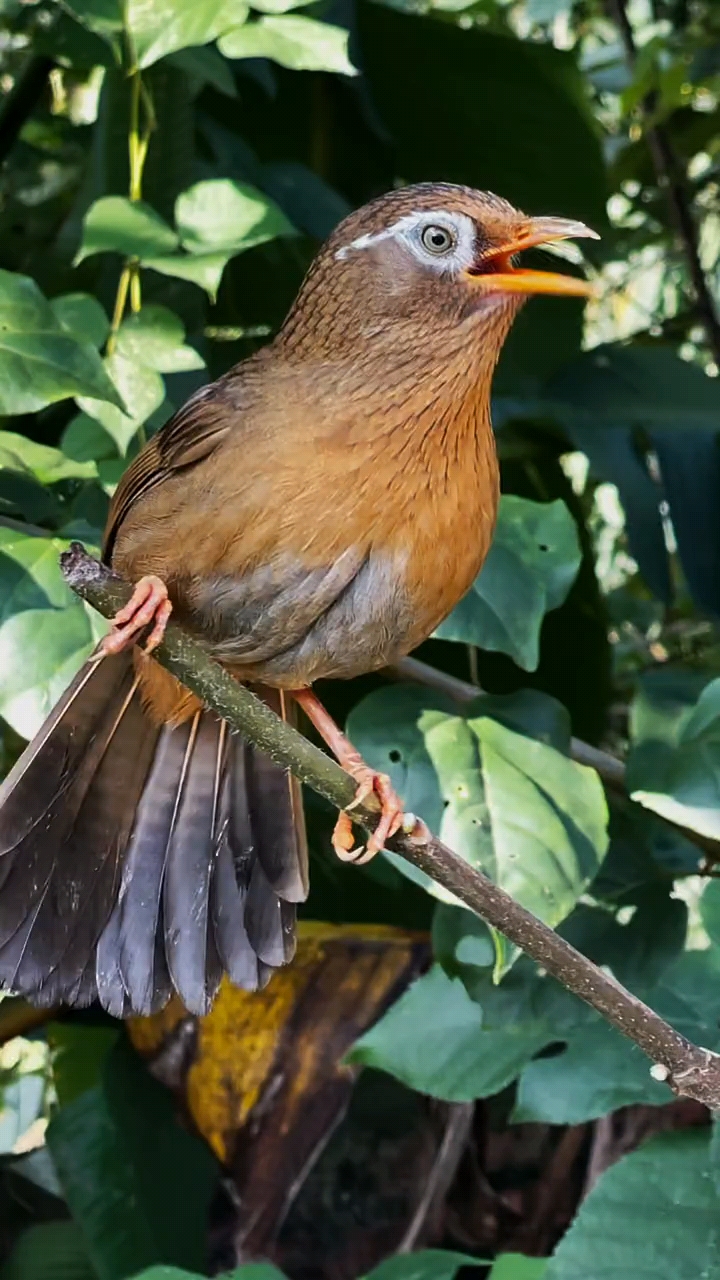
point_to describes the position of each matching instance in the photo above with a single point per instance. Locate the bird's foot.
(149, 603)
(391, 813)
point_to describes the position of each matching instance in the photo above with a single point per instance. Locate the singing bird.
(314, 513)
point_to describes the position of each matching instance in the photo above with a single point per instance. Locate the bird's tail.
(138, 860)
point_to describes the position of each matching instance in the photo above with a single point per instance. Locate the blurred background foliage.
(411, 1099)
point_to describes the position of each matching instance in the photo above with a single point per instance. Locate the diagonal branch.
(688, 1069)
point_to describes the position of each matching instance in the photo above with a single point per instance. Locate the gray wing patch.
(253, 618)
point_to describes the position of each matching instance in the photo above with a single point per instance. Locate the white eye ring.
(438, 240)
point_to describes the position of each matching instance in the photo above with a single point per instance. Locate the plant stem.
(690, 1070)
(138, 143)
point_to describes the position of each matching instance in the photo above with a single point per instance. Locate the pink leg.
(369, 783)
(149, 603)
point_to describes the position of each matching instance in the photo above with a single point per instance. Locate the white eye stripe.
(407, 231)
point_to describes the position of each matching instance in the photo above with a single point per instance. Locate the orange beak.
(495, 273)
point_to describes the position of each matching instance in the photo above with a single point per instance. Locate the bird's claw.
(391, 817)
(149, 603)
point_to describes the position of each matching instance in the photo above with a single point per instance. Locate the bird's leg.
(149, 603)
(369, 781)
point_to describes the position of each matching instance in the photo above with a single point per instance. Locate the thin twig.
(688, 1069)
(671, 181)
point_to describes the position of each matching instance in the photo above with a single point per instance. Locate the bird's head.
(435, 255)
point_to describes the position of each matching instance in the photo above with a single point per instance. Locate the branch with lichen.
(690, 1070)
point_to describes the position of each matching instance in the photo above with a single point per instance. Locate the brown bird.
(314, 513)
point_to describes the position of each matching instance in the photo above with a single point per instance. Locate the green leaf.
(84, 440)
(40, 362)
(652, 1214)
(303, 44)
(515, 1266)
(142, 391)
(206, 66)
(126, 1164)
(434, 1040)
(50, 1251)
(203, 269)
(155, 337)
(45, 631)
(83, 317)
(115, 224)
(532, 565)
(104, 17)
(548, 817)
(678, 775)
(168, 25)
(79, 1054)
(428, 1264)
(221, 214)
(47, 465)
(636, 385)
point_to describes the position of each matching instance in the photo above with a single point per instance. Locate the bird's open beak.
(495, 273)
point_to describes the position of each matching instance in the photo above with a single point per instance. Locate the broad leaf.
(221, 214)
(434, 1040)
(654, 1213)
(679, 778)
(45, 630)
(428, 1264)
(516, 1266)
(47, 465)
(40, 362)
(142, 390)
(117, 225)
(168, 25)
(83, 317)
(303, 44)
(126, 1163)
(155, 337)
(531, 566)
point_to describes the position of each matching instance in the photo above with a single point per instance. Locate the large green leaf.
(168, 25)
(40, 362)
(531, 566)
(82, 316)
(50, 1251)
(428, 1264)
(515, 1266)
(512, 805)
(45, 630)
(679, 776)
(142, 391)
(117, 225)
(435, 1041)
(155, 337)
(460, 1035)
(217, 219)
(47, 465)
(303, 44)
(652, 1214)
(126, 1165)
(633, 385)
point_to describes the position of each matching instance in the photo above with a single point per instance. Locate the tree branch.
(688, 1069)
(671, 181)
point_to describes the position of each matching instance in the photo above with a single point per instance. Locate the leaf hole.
(395, 755)
(543, 546)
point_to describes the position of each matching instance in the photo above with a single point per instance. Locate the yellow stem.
(120, 303)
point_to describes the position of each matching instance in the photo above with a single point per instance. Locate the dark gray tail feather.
(138, 861)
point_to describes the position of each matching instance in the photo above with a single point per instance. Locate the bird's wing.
(193, 433)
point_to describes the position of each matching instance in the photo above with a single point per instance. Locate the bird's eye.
(437, 239)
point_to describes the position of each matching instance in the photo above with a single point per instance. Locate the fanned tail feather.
(137, 860)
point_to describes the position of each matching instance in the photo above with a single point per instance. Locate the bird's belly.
(289, 627)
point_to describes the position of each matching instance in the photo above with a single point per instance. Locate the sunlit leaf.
(118, 225)
(47, 465)
(39, 360)
(164, 26)
(303, 44)
(155, 337)
(223, 214)
(82, 316)
(142, 390)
